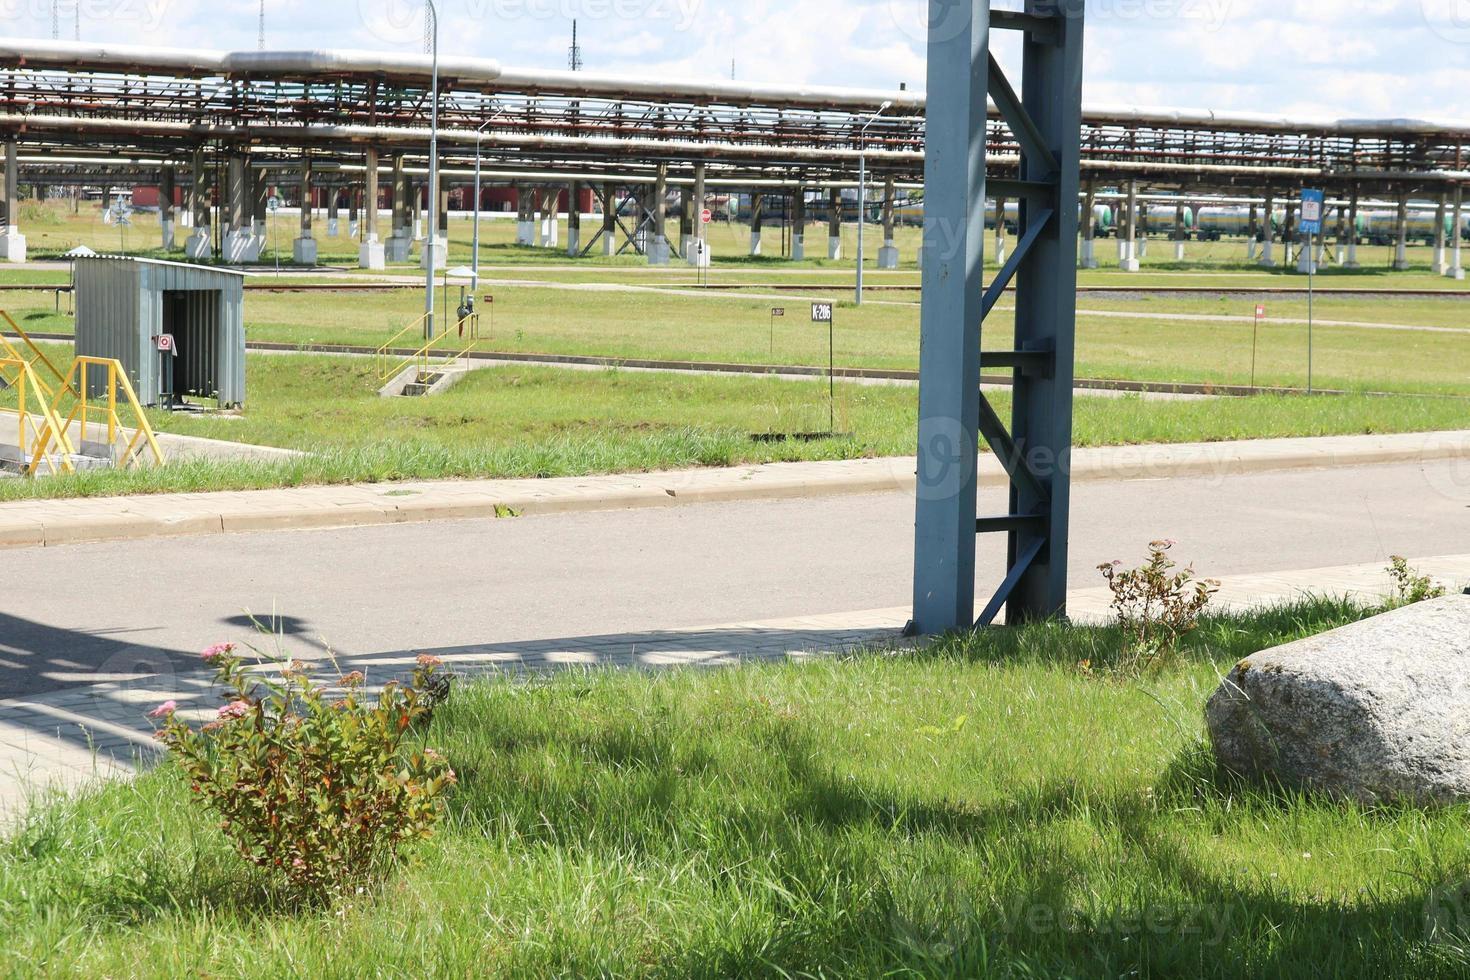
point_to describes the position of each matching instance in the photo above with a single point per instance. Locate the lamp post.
(433, 237)
(863, 193)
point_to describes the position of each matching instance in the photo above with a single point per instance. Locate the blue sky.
(1355, 58)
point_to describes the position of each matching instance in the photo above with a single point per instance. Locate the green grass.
(543, 422)
(982, 808)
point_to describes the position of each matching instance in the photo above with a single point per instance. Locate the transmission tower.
(260, 37)
(574, 53)
(76, 22)
(55, 20)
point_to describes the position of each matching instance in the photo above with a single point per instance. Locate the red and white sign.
(706, 216)
(165, 343)
(1260, 310)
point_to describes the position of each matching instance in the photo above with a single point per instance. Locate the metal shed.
(125, 304)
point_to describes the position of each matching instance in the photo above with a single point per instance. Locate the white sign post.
(822, 313)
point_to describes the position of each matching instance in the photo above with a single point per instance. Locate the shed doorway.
(192, 317)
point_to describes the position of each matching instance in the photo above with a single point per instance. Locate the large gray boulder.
(1375, 711)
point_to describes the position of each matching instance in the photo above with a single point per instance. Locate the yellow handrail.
(26, 380)
(38, 355)
(117, 379)
(467, 328)
(384, 352)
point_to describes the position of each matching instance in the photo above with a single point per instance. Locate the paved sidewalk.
(31, 523)
(69, 738)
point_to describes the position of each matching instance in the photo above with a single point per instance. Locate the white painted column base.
(834, 247)
(574, 242)
(332, 227)
(1304, 263)
(1250, 250)
(888, 255)
(798, 248)
(167, 237)
(1455, 270)
(755, 243)
(610, 243)
(1179, 251)
(303, 251)
(398, 247)
(1267, 259)
(371, 255)
(1439, 264)
(186, 220)
(1352, 255)
(550, 232)
(1337, 255)
(1128, 263)
(1143, 247)
(1122, 248)
(352, 229)
(241, 245)
(440, 249)
(1400, 259)
(658, 251)
(418, 228)
(199, 245)
(1000, 251)
(1089, 253)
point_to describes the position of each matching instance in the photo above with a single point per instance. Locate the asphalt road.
(76, 614)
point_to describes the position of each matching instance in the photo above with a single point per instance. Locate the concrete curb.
(47, 523)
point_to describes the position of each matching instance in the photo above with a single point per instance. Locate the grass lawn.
(986, 807)
(883, 333)
(538, 422)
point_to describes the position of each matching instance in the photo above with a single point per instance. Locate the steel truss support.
(953, 413)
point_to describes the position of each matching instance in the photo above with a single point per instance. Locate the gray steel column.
(1089, 246)
(757, 224)
(949, 320)
(198, 198)
(700, 232)
(238, 194)
(609, 220)
(1252, 232)
(1352, 252)
(166, 188)
(574, 218)
(1401, 248)
(1000, 230)
(658, 253)
(370, 195)
(1455, 270)
(260, 193)
(686, 221)
(1439, 235)
(12, 186)
(834, 223)
(398, 197)
(307, 191)
(1129, 259)
(798, 223)
(1046, 316)
(1268, 233)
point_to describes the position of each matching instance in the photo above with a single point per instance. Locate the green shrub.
(316, 787)
(1409, 586)
(1155, 605)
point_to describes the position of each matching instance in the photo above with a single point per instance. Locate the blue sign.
(1313, 204)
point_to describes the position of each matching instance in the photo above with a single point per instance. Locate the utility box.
(125, 304)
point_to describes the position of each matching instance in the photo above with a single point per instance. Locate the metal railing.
(443, 350)
(82, 413)
(36, 430)
(387, 367)
(37, 356)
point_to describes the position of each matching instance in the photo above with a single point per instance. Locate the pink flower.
(353, 679)
(235, 709)
(164, 710)
(211, 654)
(429, 660)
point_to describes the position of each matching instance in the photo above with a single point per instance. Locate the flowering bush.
(1156, 606)
(314, 786)
(1409, 586)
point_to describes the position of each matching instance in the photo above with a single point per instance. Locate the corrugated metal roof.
(177, 265)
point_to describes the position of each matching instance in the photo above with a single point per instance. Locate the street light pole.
(433, 237)
(863, 194)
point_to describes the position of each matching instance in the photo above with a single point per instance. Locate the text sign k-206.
(821, 312)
